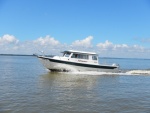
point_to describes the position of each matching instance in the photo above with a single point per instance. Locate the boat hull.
(60, 65)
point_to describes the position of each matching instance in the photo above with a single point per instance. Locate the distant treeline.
(24, 55)
(15, 55)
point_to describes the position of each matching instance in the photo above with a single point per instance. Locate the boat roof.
(83, 52)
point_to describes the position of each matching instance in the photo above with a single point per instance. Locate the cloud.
(8, 39)
(44, 41)
(106, 45)
(83, 43)
(9, 44)
(122, 50)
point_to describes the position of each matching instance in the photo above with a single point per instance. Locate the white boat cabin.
(80, 57)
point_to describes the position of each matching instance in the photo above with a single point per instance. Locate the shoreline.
(15, 55)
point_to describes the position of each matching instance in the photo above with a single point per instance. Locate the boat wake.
(139, 72)
(124, 72)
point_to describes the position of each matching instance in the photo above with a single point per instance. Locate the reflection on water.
(68, 93)
(74, 93)
(65, 80)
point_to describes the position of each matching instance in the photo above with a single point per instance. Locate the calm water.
(27, 87)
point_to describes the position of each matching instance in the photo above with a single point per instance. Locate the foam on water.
(139, 72)
(131, 72)
(92, 73)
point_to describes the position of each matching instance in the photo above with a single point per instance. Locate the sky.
(111, 28)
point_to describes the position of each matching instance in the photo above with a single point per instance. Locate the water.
(27, 87)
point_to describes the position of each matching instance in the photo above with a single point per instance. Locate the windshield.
(67, 54)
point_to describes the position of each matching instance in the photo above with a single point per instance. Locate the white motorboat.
(76, 61)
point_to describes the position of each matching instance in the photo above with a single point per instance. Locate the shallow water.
(27, 87)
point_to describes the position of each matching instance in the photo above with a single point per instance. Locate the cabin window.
(67, 54)
(84, 56)
(94, 57)
(80, 56)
